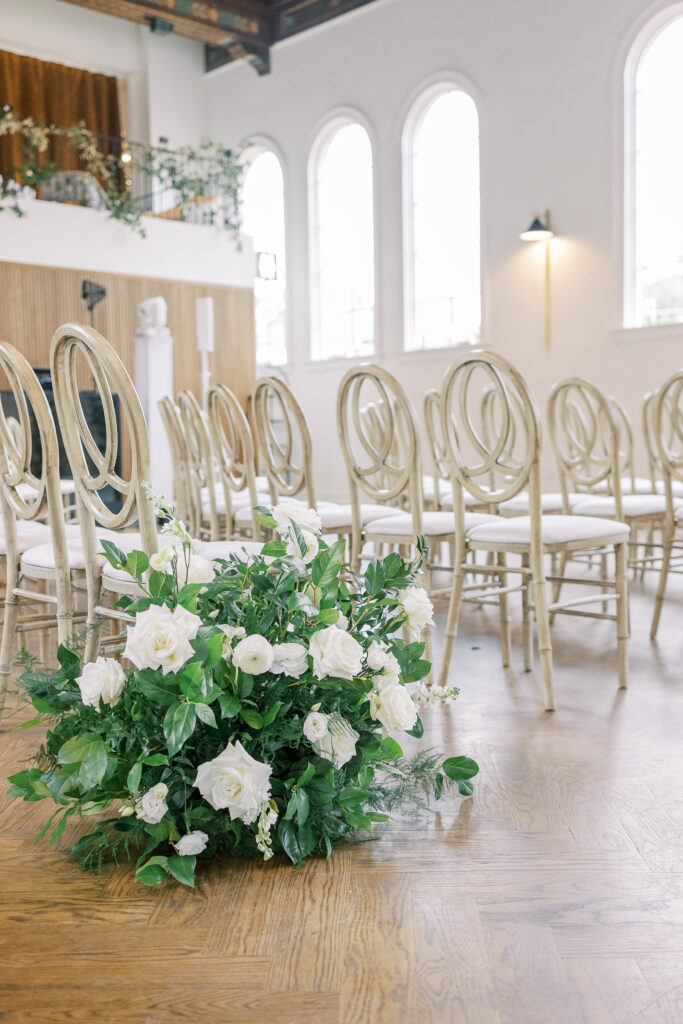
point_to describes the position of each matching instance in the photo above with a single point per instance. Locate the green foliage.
(163, 726)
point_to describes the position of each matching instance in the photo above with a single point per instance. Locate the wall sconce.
(540, 230)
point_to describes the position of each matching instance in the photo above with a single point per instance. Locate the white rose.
(339, 742)
(162, 561)
(253, 655)
(192, 844)
(289, 659)
(198, 570)
(418, 608)
(312, 547)
(342, 622)
(152, 806)
(390, 674)
(103, 680)
(335, 653)
(394, 708)
(377, 656)
(315, 726)
(293, 511)
(234, 780)
(161, 638)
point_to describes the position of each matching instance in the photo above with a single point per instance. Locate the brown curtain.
(59, 95)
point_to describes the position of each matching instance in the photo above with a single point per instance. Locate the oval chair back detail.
(75, 349)
(175, 433)
(206, 518)
(284, 440)
(233, 446)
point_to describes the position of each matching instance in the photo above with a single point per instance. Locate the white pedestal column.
(154, 381)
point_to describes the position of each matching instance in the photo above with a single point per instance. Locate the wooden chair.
(173, 426)
(629, 483)
(233, 446)
(495, 472)
(208, 513)
(26, 499)
(80, 349)
(436, 489)
(284, 441)
(590, 455)
(666, 410)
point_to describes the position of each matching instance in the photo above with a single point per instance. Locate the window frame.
(423, 97)
(326, 129)
(643, 34)
(258, 145)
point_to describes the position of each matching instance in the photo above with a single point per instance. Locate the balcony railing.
(129, 179)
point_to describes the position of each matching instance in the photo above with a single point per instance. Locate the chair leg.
(545, 650)
(453, 611)
(504, 614)
(527, 634)
(9, 631)
(557, 587)
(667, 545)
(93, 622)
(621, 577)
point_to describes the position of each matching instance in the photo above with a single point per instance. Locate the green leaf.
(417, 730)
(328, 615)
(270, 715)
(389, 749)
(206, 715)
(28, 784)
(89, 751)
(460, 768)
(360, 821)
(156, 759)
(230, 706)
(418, 670)
(306, 775)
(159, 584)
(320, 792)
(133, 780)
(114, 555)
(265, 517)
(187, 596)
(352, 797)
(374, 577)
(296, 842)
(246, 684)
(159, 691)
(302, 602)
(179, 725)
(298, 804)
(182, 869)
(137, 563)
(153, 872)
(252, 718)
(197, 684)
(438, 786)
(376, 816)
(214, 649)
(69, 661)
(325, 566)
(274, 549)
(465, 788)
(394, 566)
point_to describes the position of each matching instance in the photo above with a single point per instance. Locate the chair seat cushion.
(26, 492)
(434, 524)
(333, 517)
(631, 505)
(211, 549)
(28, 534)
(555, 530)
(551, 501)
(640, 485)
(41, 556)
(676, 488)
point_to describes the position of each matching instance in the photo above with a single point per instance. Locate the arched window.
(653, 236)
(263, 218)
(442, 278)
(342, 242)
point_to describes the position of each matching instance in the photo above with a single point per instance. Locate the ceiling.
(230, 29)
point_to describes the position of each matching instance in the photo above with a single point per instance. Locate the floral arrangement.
(191, 173)
(260, 713)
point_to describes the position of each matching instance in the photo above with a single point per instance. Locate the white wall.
(545, 75)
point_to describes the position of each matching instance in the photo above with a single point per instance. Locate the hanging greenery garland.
(209, 172)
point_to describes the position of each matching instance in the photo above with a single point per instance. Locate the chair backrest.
(24, 495)
(233, 446)
(625, 441)
(667, 421)
(77, 351)
(173, 425)
(493, 446)
(284, 440)
(432, 417)
(382, 464)
(585, 438)
(201, 474)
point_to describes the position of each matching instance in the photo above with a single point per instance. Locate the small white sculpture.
(153, 314)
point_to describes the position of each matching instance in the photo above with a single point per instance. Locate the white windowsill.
(434, 354)
(652, 332)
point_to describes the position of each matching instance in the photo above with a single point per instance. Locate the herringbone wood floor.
(554, 895)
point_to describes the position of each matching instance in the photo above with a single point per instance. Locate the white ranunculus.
(339, 742)
(199, 569)
(418, 608)
(290, 660)
(312, 547)
(335, 653)
(376, 656)
(161, 638)
(390, 674)
(293, 511)
(394, 708)
(192, 844)
(234, 780)
(101, 680)
(162, 561)
(315, 726)
(253, 655)
(152, 806)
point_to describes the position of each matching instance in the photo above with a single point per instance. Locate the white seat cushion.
(211, 550)
(631, 505)
(42, 556)
(26, 492)
(238, 499)
(676, 488)
(28, 534)
(641, 485)
(551, 501)
(434, 524)
(555, 530)
(334, 517)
